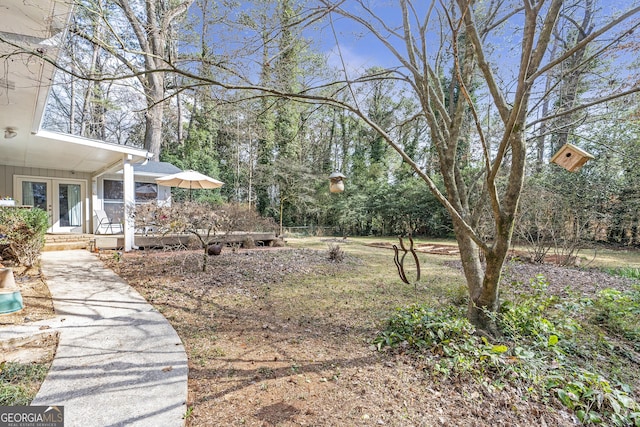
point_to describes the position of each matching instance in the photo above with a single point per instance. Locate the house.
(66, 175)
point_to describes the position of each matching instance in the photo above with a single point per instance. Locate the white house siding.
(8, 172)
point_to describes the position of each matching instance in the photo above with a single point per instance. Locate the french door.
(63, 199)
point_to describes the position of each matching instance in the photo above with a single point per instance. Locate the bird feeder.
(10, 297)
(571, 157)
(337, 182)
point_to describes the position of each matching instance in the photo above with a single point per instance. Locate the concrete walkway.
(119, 362)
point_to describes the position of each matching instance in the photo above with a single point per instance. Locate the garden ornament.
(399, 261)
(10, 296)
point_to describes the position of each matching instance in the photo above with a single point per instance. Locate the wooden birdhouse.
(571, 157)
(336, 184)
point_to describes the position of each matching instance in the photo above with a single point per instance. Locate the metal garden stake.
(399, 261)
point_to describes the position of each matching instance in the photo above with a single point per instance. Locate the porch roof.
(53, 150)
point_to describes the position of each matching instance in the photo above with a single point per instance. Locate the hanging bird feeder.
(337, 182)
(571, 157)
(10, 297)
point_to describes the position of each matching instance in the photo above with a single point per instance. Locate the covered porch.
(53, 171)
(69, 195)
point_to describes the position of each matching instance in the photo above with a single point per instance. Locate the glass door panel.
(37, 193)
(69, 205)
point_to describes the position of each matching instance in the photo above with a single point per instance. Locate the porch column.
(129, 202)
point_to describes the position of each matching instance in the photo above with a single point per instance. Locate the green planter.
(10, 301)
(10, 297)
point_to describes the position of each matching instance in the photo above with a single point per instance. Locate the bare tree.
(137, 35)
(468, 36)
(152, 30)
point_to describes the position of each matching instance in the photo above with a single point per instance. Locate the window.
(114, 199)
(114, 195)
(113, 190)
(146, 192)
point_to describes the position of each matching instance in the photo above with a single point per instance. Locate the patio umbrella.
(190, 179)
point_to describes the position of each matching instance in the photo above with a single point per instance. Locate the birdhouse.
(337, 182)
(571, 157)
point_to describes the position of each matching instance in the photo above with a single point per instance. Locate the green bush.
(619, 312)
(443, 334)
(594, 399)
(533, 354)
(24, 230)
(532, 318)
(420, 327)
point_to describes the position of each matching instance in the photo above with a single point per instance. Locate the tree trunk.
(482, 283)
(153, 129)
(205, 258)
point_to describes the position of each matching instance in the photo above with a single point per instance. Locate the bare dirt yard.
(283, 337)
(35, 295)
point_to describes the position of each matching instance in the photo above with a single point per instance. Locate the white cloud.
(354, 62)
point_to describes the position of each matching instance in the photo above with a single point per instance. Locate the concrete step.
(65, 242)
(65, 246)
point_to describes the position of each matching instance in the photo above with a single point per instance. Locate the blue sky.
(362, 51)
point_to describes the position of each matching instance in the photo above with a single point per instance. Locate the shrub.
(336, 254)
(539, 333)
(421, 327)
(595, 400)
(279, 243)
(24, 230)
(205, 222)
(619, 312)
(248, 243)
(239, 217)
(531, 317)
(628, 272)
(443, 335)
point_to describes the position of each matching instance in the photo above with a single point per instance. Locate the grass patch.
(19, 382)
(611, 258)
(369, 288)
